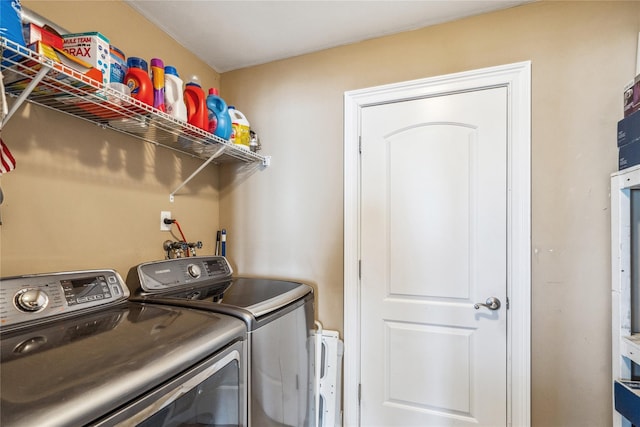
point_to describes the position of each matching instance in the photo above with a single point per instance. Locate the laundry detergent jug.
(195, 102)
(240, 132)
(173, 96)
(219, 119)
(138, 80)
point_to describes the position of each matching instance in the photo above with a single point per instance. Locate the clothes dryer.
(280, 319)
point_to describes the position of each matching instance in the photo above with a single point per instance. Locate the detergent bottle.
(157, 78)
(240, 132)
(219, 119)
(195, 102)
(173, 97)
(117, 65)
(137, 78)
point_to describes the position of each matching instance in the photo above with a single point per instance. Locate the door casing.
(517, 78)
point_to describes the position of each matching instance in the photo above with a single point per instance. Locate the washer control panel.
(181, 272)
(40, 296)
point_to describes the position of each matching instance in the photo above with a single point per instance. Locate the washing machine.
(76, 352)
(279, 316)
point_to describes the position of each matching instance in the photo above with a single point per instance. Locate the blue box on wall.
(629, 129)
(629, 141)
(629, 155)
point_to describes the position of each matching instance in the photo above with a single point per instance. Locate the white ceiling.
(234, 34)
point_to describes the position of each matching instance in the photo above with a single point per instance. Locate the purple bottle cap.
(156, 62)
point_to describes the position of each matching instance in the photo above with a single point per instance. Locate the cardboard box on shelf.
(629, 129)
(18, 77)
(631, 97)
(33, 33)
(629, 155)
(92, 48)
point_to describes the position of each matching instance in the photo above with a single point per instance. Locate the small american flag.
(7, 162)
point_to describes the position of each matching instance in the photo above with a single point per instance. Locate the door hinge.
(359, 393)
(360, 144)
(507, 303)
(359, 269)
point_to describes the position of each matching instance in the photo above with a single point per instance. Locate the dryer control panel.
(171, 274)
(41, 296)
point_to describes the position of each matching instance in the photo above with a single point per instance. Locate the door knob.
(492, 303)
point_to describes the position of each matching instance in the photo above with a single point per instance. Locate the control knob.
(194, 271)
(31, 300)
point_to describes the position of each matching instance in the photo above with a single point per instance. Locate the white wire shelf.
(35, 78)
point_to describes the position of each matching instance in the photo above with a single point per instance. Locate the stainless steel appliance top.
(209, 279)
(41, 297)
(83, 355)
(279, 316)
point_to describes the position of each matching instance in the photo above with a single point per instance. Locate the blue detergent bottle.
(219, 118)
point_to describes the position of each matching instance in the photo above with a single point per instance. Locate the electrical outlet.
(163, 226)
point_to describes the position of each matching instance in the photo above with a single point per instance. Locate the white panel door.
(433, 243)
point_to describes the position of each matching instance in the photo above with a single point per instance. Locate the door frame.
(517, 79)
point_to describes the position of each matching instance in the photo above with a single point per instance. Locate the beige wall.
(84, 197)
(289, 219)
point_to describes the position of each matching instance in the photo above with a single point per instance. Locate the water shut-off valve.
(175, 249)
(180, 248)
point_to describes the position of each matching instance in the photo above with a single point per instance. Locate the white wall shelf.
(29, 76)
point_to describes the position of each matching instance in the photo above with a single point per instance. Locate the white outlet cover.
(163, 226)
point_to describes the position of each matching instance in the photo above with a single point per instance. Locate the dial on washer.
(194, 271)
(31, 300)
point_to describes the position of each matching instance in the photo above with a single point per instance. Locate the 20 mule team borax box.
(90, 47)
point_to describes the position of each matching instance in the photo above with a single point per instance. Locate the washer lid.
(209, 278)
(263, 296)
(247, 298)
(69, 372)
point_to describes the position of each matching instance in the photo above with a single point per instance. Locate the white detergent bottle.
(173, 94)
(241, 127)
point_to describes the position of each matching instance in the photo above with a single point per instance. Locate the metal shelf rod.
(25, 93)
(196, 172)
